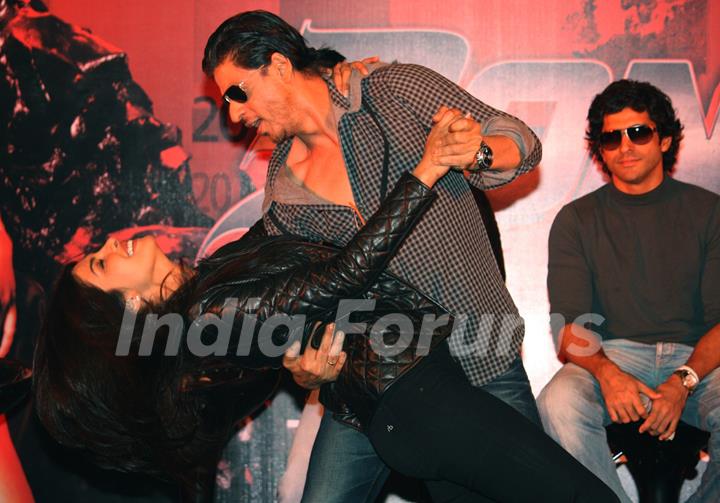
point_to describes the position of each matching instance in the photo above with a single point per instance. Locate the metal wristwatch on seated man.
(688, 378)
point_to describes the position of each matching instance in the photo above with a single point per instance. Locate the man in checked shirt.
(335, 158)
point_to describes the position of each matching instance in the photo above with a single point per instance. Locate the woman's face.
(133, 267)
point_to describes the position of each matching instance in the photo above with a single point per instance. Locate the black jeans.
(468, 445)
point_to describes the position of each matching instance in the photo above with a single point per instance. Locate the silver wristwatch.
(688, 377)
(484, 156)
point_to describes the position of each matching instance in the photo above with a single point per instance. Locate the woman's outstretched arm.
(357, 266)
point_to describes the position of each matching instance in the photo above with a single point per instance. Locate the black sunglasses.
(236, 93)
(639, 134)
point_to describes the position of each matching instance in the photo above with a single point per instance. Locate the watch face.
(484, 156)
(688, 380)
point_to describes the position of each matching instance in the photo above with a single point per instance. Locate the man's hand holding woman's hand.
(316, 367)
(452, 142)
(461, 143)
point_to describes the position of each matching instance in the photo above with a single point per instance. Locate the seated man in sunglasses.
(639, 259)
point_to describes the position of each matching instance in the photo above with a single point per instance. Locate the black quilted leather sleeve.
(320, 286)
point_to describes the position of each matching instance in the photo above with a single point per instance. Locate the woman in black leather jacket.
(136, 407)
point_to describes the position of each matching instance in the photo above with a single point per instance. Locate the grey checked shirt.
(383, 126)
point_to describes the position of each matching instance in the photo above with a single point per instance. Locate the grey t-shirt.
(649, 264)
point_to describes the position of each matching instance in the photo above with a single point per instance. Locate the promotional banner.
(110, 126)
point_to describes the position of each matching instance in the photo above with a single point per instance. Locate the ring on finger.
(331, 362)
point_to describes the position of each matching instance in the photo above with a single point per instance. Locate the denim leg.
(703, 411)
(513, 388)
(573, 410)
(343, 466)
(573, 414)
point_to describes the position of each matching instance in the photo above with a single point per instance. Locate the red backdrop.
(542, 61)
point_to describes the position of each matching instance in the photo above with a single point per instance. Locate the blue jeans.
(574, 414)
(344, 466)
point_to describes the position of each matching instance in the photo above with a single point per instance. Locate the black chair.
(658, 468)
(15, 380)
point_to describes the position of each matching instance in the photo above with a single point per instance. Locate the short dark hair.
(641, 97)
(250, 38)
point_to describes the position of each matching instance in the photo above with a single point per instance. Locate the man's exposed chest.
(322, 171)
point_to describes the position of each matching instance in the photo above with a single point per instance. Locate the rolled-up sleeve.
(526, 141)
(424, 90)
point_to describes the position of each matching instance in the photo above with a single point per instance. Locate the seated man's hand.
(621, 392)
(316, 367)
(666, 410)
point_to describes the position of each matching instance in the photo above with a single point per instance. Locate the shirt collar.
(351, 103)
(657, 194)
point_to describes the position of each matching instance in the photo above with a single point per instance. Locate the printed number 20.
(200, 133)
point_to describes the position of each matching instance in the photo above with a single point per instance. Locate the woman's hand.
(342, 71)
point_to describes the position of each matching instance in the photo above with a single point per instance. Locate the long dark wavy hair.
(641, 97)
(138, 413)
(250, 38)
